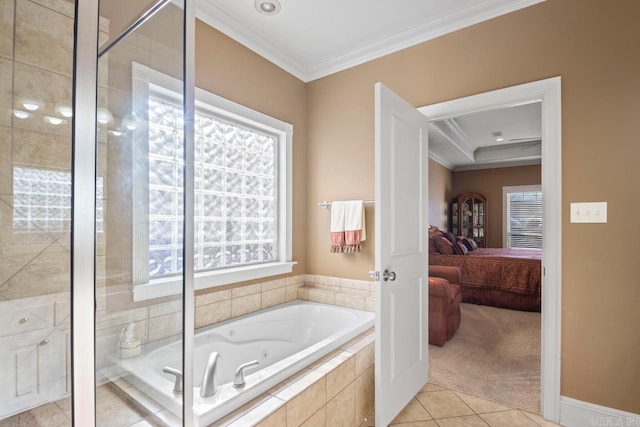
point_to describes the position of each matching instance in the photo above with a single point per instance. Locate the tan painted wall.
(489, 183)
(440, 192)
(593, 46)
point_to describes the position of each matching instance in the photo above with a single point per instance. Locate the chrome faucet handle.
(177, 385)
(208, 386)
(239, 380)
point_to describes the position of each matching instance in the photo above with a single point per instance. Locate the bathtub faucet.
(177, 385)
(208, 386)
(239, 380)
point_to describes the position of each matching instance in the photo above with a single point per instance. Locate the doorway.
(548, 93)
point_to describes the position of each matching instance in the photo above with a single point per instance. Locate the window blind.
(524, 211)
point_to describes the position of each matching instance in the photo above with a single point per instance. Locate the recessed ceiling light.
(21, 114)
(267, 7)
(31, 105)
(56, 121)
(64, 110)
(500, 139)
(104, 116)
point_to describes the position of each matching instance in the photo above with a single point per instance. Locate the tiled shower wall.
(36, 65)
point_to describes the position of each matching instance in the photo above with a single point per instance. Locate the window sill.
(173, 285)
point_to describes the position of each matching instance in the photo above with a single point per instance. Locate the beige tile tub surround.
(328, 393)
(217, 306)
(358, 294)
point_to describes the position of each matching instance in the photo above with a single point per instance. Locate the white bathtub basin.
(284, 339)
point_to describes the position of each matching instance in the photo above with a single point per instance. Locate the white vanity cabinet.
(33, 366)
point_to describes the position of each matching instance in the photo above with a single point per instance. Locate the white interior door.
(402, 310)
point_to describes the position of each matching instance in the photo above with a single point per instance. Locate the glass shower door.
(36, 68)
(140, 218)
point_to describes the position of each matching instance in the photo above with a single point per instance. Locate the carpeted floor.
(494, 355)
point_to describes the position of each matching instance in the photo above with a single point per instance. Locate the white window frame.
(505, 214)
(144, 288)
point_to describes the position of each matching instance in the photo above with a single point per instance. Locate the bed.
(507, 278)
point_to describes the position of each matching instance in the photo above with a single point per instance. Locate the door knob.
(375, 275)
(388, 275)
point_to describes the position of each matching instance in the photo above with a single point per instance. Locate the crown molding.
(479, 12)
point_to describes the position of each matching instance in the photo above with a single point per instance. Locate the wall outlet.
(590, 212)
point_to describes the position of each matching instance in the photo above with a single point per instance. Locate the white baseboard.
(576, 413)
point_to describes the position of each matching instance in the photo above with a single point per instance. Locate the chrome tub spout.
(208, 386)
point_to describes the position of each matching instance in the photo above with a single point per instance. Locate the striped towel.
(348, 228)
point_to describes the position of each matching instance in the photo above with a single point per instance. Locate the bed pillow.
(450, 237)
(467, 243)
(444, 246)
(472, 243)
(460, 248)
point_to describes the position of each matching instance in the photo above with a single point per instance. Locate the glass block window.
(524, 219)
(235, 191)
(42, 201)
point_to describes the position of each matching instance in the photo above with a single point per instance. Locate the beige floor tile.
(443, 404)
(537, 418)
(432, 387)
(369, 420)
(429, 423)
(511, 418)
(414, 411)
(112, 410)
(466, 421)
(481, 406)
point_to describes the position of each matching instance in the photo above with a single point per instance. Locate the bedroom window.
(522, 217)
(242, 206)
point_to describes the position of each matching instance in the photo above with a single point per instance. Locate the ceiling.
(311, 39)
(468, 141)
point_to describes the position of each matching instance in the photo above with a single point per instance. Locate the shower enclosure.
(95, 203)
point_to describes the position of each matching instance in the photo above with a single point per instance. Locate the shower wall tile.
(50, 269)
(6, 168)
(5, 91)
(35, 149)
(6, 28)
(43, 38)
(48, 89)
(65, 7)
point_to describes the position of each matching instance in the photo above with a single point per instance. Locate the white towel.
(337, 226)
(348, 228)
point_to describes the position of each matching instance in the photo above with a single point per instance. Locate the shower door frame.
(83, 237)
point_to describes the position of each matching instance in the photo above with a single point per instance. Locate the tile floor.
(433, 406)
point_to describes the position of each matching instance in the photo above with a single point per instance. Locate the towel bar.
(326, 204)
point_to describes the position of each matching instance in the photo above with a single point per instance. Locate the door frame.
(548, 92)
